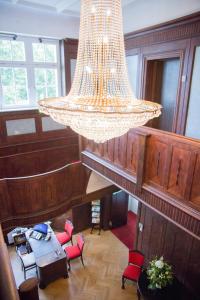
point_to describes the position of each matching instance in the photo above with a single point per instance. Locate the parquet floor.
(105, 258)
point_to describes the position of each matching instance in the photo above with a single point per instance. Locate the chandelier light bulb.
(88, 69)
(105, 39)
(108, 13)
(100, 105)
(93, 10)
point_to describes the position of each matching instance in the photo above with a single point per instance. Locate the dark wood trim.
(70, 52)
(180, 28)
(8, 289)
(141, 160)
(193, 44)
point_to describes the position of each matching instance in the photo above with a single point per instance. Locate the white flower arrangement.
(159, 274)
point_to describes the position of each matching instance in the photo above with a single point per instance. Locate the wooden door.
(119, 209)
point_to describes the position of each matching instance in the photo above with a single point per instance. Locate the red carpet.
(126, 233)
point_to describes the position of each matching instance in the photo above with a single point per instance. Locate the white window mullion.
(30, 67)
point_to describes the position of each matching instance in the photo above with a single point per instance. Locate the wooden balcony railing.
(160, 168)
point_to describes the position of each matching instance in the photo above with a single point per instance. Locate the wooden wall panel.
(108, 150)
(156, 161)
(132, 152)
(179, 169)
(160, 237)
(8, 288)
(37, 162)
(98, 149)
(27, 200)
(193, 267)
(120, 146)
(195, 189)
(25, 154)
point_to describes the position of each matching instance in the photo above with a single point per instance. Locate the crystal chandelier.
(100, 104)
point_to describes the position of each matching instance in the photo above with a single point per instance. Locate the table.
(175, 291)
(50, 258)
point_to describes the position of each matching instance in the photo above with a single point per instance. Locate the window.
(193, 120)
(29, 71)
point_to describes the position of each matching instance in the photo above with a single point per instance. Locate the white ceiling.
(68, 7)
(60, 18)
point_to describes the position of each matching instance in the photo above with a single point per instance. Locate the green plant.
(159, 274)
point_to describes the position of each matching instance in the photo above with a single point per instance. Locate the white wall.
(96, 182)
(137, 15)
(144, 13)
(25, 20)
(132, 204)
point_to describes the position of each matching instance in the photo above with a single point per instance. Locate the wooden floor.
(105, 258)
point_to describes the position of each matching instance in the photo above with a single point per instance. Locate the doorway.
(162, 86)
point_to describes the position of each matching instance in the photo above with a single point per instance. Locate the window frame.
(30, 66)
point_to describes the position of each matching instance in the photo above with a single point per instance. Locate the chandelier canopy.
(100, 104)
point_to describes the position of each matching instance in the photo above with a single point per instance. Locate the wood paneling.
(179, 170)
(174, 39)
(36, 162)
(132, 152)
(166, 177)
(28, 200)
(26, 154)
(120, 146)
(156, 160)
(195, 188)
(161, 237)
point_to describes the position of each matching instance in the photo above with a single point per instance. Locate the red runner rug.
(126, 233)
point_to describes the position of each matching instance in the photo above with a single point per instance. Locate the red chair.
(134, 268)
(75, 251)
(66, 236)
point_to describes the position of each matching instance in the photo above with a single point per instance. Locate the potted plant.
(159, 274)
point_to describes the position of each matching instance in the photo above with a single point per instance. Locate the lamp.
(100, 104)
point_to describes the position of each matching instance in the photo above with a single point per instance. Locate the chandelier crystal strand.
(100, 104)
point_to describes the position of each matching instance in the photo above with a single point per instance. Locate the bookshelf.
(96, 215)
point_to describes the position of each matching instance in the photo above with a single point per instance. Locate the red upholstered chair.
(75, 251)
(66, 236)
(134, 268)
